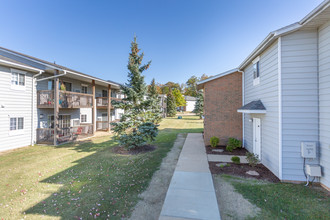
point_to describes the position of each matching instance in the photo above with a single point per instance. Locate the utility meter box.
(308, 150)
(313, 170)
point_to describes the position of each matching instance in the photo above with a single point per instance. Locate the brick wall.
(222, 98)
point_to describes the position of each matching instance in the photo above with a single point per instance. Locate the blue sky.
(182, 37)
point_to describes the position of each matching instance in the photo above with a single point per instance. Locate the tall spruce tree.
(135, 128)
(171, 106)
(199, 105)
(155, 113)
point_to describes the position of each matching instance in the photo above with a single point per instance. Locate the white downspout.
(52, 77)
(243, 114)
(279, 60)
(33, 106)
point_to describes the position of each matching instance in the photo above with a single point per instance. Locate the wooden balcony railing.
(46, 135)
(102, 125)
(103, 101)
(66, 99)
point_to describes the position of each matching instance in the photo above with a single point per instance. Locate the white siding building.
(289, 73)
(29, 99)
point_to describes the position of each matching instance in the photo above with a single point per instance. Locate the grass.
(85, 180)
(283, 200)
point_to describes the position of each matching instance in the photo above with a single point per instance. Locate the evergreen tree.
(171, 106)
(179, 98)
(135, 128)
(199, 105)
(155, 113)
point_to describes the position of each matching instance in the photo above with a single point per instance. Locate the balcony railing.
(102, 125)
(46, 135)
(103, 101)
(66, 99)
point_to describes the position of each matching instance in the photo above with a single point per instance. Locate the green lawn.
(283, 200)
(81, 180)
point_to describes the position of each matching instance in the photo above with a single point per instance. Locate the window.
(13, 123)
(84, 89)
(17, 79)
(256, 71)
(83, 118)
(16, 124)
(104, 93)
(66, 86)
(63, 121)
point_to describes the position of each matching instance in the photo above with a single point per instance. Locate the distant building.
(162, 99)
(190, 103)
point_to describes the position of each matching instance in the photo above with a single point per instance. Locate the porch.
(67, 134)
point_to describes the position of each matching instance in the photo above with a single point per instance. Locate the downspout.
(243, 114)
(33, 101)
(52, 77)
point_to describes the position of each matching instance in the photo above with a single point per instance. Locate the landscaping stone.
(221, 164)
(217, 150)
(252, 173)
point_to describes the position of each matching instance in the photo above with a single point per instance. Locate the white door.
(257, 137)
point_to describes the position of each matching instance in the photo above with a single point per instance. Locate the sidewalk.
(191, 192)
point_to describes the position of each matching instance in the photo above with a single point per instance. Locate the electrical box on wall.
(313, 170)
(308, 150)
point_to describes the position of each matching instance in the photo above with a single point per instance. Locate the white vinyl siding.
(324, 101)
(16, 104)
(299, 99)
(267, 92)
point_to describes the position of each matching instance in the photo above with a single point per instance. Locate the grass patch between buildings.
(283, 200)
(85, 180)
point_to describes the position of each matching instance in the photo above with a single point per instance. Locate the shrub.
(229, 148)
(214, 141)
(234, 143)
(252, 159)
(236, 160)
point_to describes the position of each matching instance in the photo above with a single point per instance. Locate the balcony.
(102, 125)
(102, 102)
(66, 99)
(46, 135)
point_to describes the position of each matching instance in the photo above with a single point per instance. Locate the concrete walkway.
(191, 192)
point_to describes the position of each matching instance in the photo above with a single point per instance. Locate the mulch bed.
(134, 151)
(237, 151)
(241, 169)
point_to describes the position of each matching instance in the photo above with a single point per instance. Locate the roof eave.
(200, 84)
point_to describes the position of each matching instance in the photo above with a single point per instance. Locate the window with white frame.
(16, 123)
(17, 79)
(84, 89)
(83, 118)
(256, 71)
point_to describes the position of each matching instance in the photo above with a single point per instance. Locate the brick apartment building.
(222, 98)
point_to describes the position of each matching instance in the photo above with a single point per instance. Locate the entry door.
(104, 116)
(257, 137)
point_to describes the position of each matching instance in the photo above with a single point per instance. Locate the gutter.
(33, 101)
(52, 77)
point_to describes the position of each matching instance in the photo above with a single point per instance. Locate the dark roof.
(190, 98)
(254, 105)
(54, 65)
(14, 61)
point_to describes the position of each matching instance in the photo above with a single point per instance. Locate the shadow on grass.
(103, 184)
